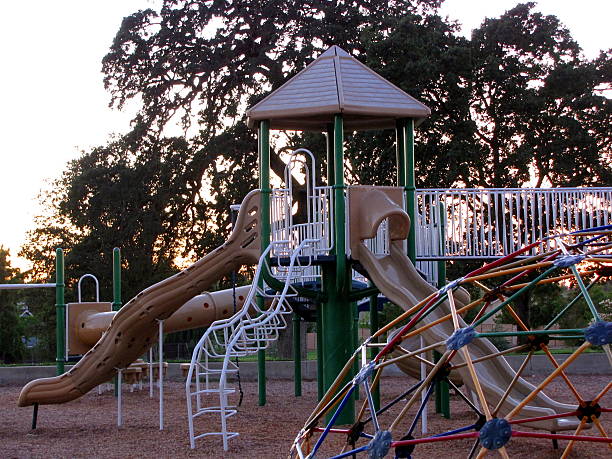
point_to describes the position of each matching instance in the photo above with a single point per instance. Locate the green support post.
(442, 394)
(60, 312)
(116, 279)
(297, 355)
(264, 186)
(337, 326)
(374, 326)
(320, 384)
(405, 175)
(116, 296)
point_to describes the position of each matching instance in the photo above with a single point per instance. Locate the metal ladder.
(249, 330)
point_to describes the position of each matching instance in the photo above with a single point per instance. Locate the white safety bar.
(489, 223)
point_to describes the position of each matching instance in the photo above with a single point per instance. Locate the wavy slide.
(396, 277)
(133, 330)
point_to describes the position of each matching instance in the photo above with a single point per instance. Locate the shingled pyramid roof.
(334, 83)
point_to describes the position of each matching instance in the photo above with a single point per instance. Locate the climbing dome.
(506, 408)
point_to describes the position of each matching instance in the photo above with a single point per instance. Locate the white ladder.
(249, 330)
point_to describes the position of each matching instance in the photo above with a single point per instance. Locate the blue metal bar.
(351, 452)
(346, 398)
(395, 401)
(421, 408)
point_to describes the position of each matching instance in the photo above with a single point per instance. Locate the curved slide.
(133, 330)
(396, 277)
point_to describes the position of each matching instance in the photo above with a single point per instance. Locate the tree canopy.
(515, 101)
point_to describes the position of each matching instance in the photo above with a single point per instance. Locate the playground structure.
(365, 229)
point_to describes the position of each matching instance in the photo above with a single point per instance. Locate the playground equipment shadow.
(86, 427)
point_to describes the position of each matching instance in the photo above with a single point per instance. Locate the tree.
(535, 104)
(11, 346)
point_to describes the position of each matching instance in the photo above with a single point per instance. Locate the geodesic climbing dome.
(506, 407)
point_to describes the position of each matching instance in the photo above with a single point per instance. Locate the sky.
(53, 104)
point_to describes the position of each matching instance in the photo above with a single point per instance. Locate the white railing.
(317, 215)
(249, 330)
(488, 223)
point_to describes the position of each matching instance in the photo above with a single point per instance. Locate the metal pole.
(60, 312)
(337, 330)
(374, 325)
(264, 186)
(161, 374)
(410, 187)
(297, 355)
(116, 293)
(320, 355)
(116, 279)
(424, 394)
(119, 405)
(150, 372)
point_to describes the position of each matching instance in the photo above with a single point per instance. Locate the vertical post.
(336, 311)
(297, 355)
(355, 308)
(406, 177)
(116, 279)
(161, 374)
(60, 312)
(442, 388)
(320, 355)
(119, 401)
(264, 186)
(424, 395)
(116, 305)
(374, 326)
(442, 233)
(339, 205)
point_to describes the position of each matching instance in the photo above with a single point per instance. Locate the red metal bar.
(501, 261)
(544, 418)
(416, 441)
(391, 344)
(518, 433)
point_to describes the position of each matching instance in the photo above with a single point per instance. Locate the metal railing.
(488, 223)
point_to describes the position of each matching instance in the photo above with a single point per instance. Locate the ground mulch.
(87, 427)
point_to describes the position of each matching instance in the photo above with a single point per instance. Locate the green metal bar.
(297, 355)
(569, 305)
(337, 327)
(320, 380)
(400, 152)
(60, 312)
(442, 393)
(339, 206)
(528, 287)
(330, 154)
(116, 279)
(409, 183)
(527, 333)
(374, 326)
(264, 186)
(356, 295)
(585, 293)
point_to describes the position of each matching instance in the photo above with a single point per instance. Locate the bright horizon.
(55, 105)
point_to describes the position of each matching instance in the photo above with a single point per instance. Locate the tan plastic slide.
(133, 330)
(399, 281)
